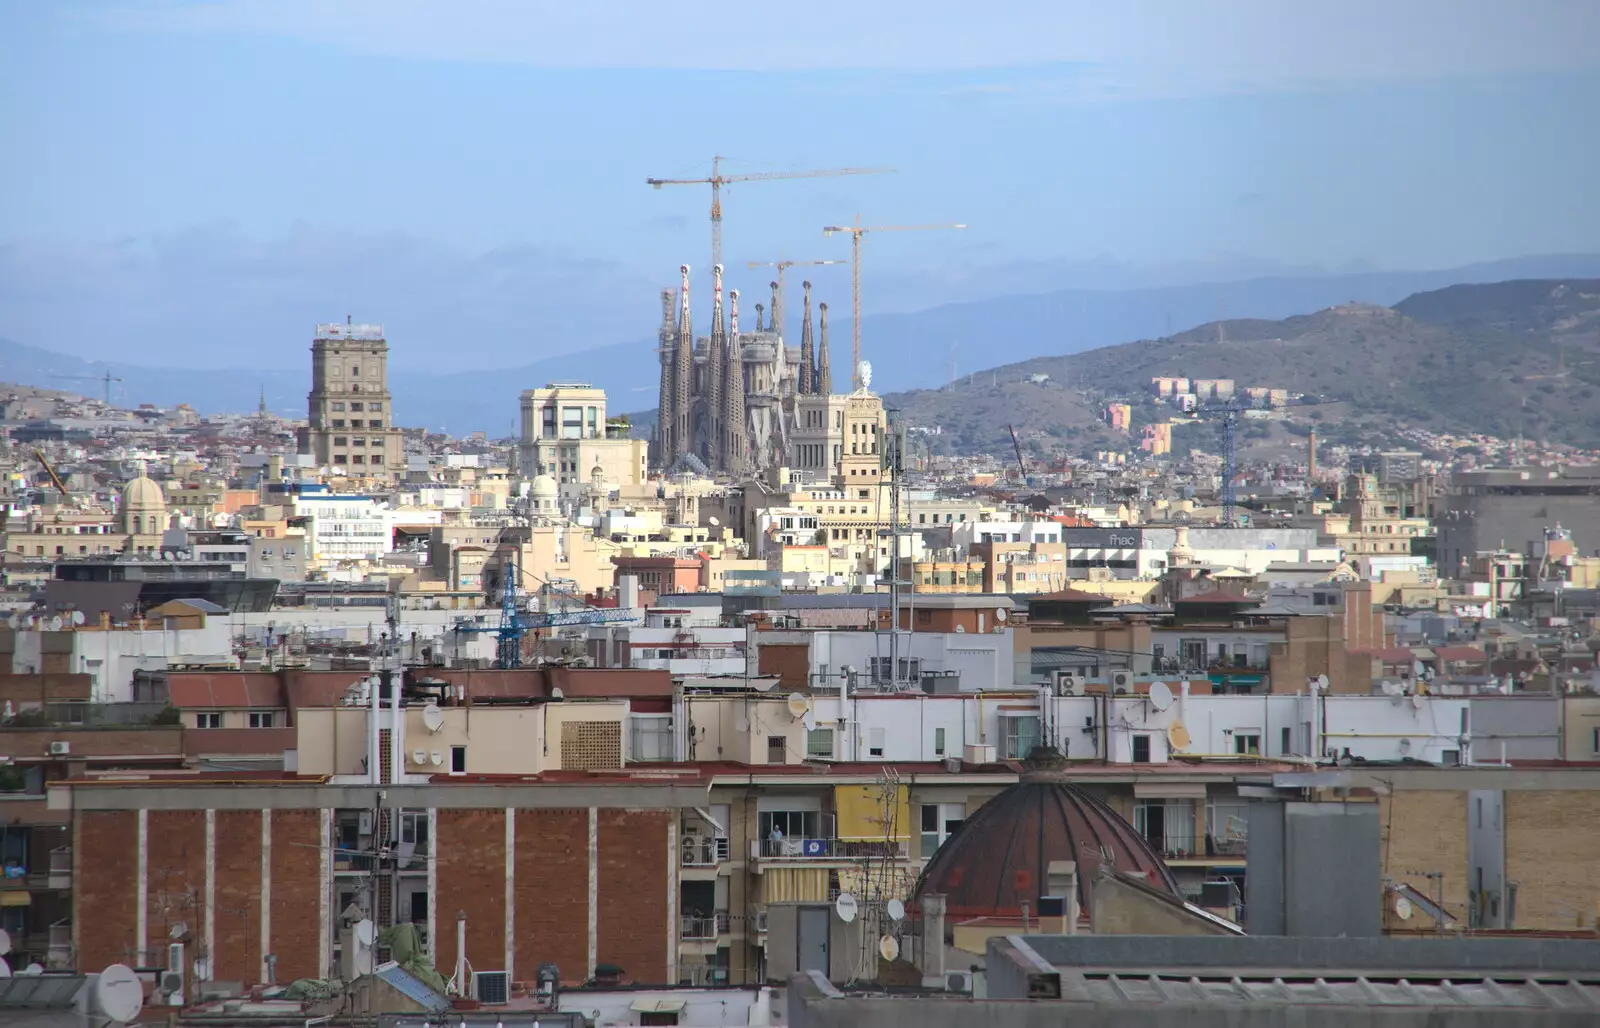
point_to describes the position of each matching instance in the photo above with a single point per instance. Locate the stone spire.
(666, 413)
(733, 393)
(777, 310)
(716, 356)
(824, 382)
(683, 369)
(759, 309)
(806, 358)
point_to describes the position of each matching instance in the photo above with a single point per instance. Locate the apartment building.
(351, 427)
(566, 434)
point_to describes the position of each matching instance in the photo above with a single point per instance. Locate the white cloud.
(1138, 47)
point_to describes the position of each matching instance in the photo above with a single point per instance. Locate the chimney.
(931, 945)
(1062, 881)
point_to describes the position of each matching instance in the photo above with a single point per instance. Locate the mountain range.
(1519, 358)
(908, 351)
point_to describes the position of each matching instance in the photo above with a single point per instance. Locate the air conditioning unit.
(171, 980)
(364, 822)
(1068, 683)
(958, 981)
(952, 765)
(60, 749)
(1122, 682)
(491, 988)
(978, 753)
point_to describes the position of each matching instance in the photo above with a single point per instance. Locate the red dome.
(1000, 858)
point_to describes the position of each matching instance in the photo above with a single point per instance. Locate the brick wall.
(1550, 842)
(471, 869)
(1425, 830)
(36, 689)
(552, 893)
(632, 893)
(105, 887)
(296, 900)
(791, 663)
(238, 896)
(175, 870)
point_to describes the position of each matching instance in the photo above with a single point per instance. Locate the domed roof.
(142, 494)
(1000, 858)
(544, 485)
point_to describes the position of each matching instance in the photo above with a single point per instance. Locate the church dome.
(544, 485)
(143, 495)
(1000, 857)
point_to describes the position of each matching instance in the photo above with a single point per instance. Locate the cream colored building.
(351, 429)
(566, 435)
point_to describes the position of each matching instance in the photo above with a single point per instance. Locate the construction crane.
(782, 266)
(55, 479)
(1015, 445)
(107, 378)
(718, 180)
(857, 230)
(514, 622)
(1228, 415)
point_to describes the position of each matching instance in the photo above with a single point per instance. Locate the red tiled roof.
(1455, 653)
(229, 689)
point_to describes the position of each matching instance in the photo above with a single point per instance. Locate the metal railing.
(702, 975)
(703, 928)
(830, 849)
(704, 851)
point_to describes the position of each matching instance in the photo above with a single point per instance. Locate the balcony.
(702, 975)
(60, 868)
(704, 851)
(59, 953)
(829, 849)
(703, 929)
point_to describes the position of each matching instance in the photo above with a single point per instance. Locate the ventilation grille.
(492, 988)
(591, 746)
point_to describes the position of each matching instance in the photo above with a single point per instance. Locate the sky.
(200, 182)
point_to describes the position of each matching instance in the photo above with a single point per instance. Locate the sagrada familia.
(728, 400)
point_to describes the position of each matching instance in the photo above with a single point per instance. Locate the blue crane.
(514, 622)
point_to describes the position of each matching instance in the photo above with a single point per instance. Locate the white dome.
(142, 494)
(544, 485)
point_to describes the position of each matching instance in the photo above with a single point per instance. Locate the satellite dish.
(1402, 908)
(1178, 736)
(202, 968)
(960, 629)
(1160, 695)
(436, 758)
(897, 911)
(558, 693)
(1417, 669)
(432, 718)
(178, 930)
(1417, 701)
(5, 942)
(366, 932)
(1390, 688)
(77, 617)
(809, 721)
(55, 624)
(5, 968)
(845, 906)
(1405, 746)
(419, 756)
(714, 521)
(118, 993)
(889, 947)
(1322, 683)
(1000, 613)
(32, 969)
(799, 704)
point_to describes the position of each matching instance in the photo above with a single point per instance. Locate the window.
(339, 458)
(1247, 742)
(1596, 741)
(355, 406)
(375, 407)
(261, 719)
(337, 405)
(875, 742)
(1141, 749)
(338, 422)
(939, 822)
(375, 423)
(1287, 745)
(651, 738)
(1168, 825)
(777, 749)
(1020, 734)
(355, 370)
(208, 720)
(339, 440)
(819, 743)
(938, 742)
(458, 760)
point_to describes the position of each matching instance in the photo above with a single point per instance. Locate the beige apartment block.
(351, 415)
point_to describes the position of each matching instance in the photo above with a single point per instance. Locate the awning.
(658, 1006)
(1169, 790)
(15, 899)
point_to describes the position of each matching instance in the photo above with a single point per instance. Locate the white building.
(111, 655)
(356, 527)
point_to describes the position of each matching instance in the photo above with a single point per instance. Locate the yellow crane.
(718, 180)
(782, 266)
(857, 230)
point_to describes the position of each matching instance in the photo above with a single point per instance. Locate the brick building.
(577, 872)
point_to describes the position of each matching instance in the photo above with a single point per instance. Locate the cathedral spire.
(806, 358)
(716, 357)
(759, 309)
(824, 382)
(666, 413)
(777, 310)
(683, 369)
(733, 393)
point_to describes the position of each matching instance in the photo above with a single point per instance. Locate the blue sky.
(477, 168)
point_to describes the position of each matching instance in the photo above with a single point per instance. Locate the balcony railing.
(61, 867)
(702, 975)
(704, 851)
(703, 928)
(59, 954)
(829, 849)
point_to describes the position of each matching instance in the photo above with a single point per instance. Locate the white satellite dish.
(845, 906)
(5, 942)
(436, 758)
(714, 521)
(32, 969)
(419, 756)
(1405, 746)
(178, 930)
(432, 718)
(1322, 683)
(1160, 695)
(5, 968)
(77, 617)
(1402, 908)
(118, 993)
(1000, 613)
(1390, 688)
(1417, 701)
(809, 721)
(799, 704)
(558, 693)
(1417, 669)
(896, 909)
(889, 947)
(366, 932)
(55, 624)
